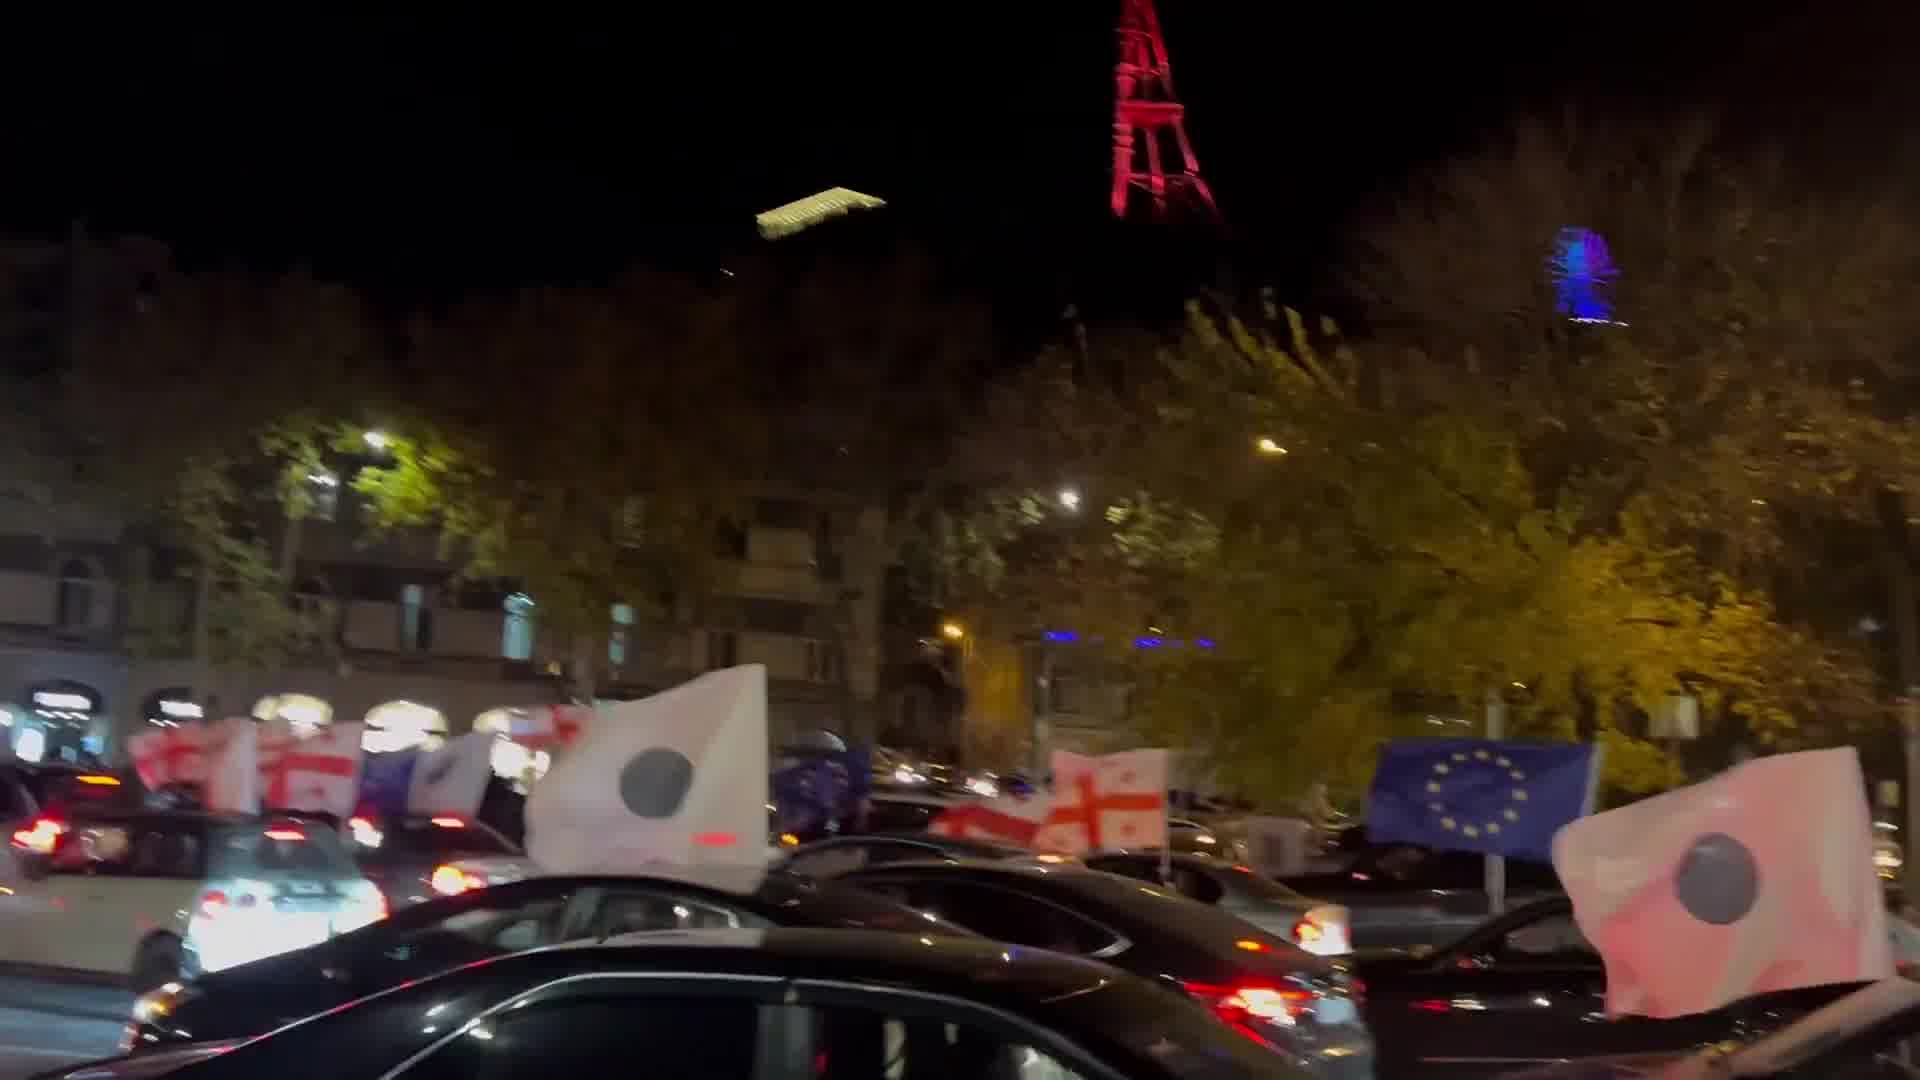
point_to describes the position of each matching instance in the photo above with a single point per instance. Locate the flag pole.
(1496, 880)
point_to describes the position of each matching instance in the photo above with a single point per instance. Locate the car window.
(1246, 880)
(169, 851)
(613, 1035)
(1196, 885)
(829, 861)
(1003, 915)
(268, 849)
(887, 851)
(1137, 869)
(1555, 935)
(94, 849)
(475, 932)
(888, 815)
(15, 800)
(870, 1044)
(642, 910)
(422, 840)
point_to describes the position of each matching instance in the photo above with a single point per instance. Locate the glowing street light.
(1069, 500)
(1266, 445)
(376, 440)
(953, 631)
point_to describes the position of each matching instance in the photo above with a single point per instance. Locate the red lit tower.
(1149, 121)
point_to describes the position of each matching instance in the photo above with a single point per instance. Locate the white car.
(155, 896)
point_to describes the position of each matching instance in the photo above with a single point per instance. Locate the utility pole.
(1496, 864)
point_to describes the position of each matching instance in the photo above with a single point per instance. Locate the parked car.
(430, 937)
(415, 857)
(1526, 988)
(827, 858)
(155, 895)
(725, 1004)
(1870, 1033)
(1399, 896)
(1311, 924)
(1302, 1003)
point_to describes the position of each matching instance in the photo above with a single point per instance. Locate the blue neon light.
(1583, 275)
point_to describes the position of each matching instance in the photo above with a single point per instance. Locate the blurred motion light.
(953, 631)
(1266, 445)
(1069, 499)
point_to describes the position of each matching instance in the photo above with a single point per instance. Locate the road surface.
(44, 1024)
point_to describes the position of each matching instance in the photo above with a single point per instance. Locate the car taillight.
(450, 822)
(1307, 932)
(285, 834)
(41, 837)
(1241, 1004)
(452, 881)
(212, 903)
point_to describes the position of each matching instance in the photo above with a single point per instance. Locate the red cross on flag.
(173, 755)
(550, 727)
(319, 773)
(1005, 820)
(1106, 803)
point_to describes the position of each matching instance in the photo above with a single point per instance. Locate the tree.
(1355, 567)
(206, 410)
(584, 442)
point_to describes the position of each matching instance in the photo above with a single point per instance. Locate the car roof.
(984, 848)
(967, 967)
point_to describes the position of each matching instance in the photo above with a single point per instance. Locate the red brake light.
(1306, 931)
(715, 839)
(1251, 945)
(39, 838)
(285, 834)
(452, 881)
(360, 824)
(212, 903)
(450, 822)
(1241, 1004)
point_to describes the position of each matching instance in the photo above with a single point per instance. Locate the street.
(45, 1023)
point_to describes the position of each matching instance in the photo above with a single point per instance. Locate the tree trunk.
(203, 632)
(290, 552)
(1897, 562)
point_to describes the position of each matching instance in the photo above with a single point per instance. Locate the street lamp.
(1070, 500)
(1266, 445)
(953, 631)
(376, 440)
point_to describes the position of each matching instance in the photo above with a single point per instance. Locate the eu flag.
(1494, 797)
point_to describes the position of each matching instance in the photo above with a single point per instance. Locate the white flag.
(320, 772)
(233, 773)
(452, 779)
(679, 778)
(1110, 802)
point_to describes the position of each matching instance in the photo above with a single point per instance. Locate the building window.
(622, 616)
(730, 541)
(402, 725)
(416, 620)
(723, 649)
(1066, 694)
(826, 555)
(323, 494)
(73, 602)
(303, 714)
(516, 629)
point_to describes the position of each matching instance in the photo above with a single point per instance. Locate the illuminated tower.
(1151, 153)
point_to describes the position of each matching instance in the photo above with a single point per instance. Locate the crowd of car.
(427, 946)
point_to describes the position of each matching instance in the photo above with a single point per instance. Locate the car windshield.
(1205, 924)
(270, 848)
(1246, 880)
(415, 839)
(820, 904)
(891, 815)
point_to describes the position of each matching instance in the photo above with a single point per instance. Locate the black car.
(1303, 1004)
(738, 1005)
(431, 937)
(1400, 896)
(1524, 989)
(826, 858)
(1871, 1033)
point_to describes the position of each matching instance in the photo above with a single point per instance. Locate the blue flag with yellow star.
(1491, 796)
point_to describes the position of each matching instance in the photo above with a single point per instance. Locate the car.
(430, 937)
(1400, 896)
(1304, 1003)
(825, 858)
(1526, 988)
(1314, 926)
(150, 896)
(414, 857)
(740, 1004)
(1870, 1033)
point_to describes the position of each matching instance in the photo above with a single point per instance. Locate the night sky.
(406, 151)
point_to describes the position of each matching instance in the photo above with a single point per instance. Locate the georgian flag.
(1009, 820)
(1110, 802)
(233, 773)
(173, 755)
(319, 773)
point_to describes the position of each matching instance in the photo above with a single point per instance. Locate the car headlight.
(155, 1006)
